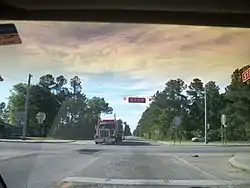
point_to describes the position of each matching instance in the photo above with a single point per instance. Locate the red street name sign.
(137, 100)
(245, 76)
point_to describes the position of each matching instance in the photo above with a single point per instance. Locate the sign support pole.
(222, 134)
(225, 135)
(223, 129)
(205, 122)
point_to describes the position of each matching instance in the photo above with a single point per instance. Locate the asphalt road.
(135, 162)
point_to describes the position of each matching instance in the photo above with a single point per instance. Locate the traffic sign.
(9, 35)
(177, 121)
(223, 119)
(19, 118)
(137, 100)
(245, 76)
(40, 116)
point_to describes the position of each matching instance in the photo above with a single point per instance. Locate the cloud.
(154, 52)
(117, 60)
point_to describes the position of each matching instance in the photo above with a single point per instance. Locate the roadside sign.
(137, 100)
(177, 121)
(40, 116)
(223, 119)
(245, 76)
(9, 35)
(19, 118)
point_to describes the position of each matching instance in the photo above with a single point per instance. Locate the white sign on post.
(223, 120)
(177, 121)
(19, 118)
(40, 116)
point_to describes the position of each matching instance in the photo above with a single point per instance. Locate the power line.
(3, 76)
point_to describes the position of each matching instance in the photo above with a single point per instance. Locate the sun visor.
(9, 35)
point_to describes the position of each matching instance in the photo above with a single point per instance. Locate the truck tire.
(96, 143)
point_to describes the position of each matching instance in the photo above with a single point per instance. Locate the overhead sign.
(9, 35)
(137, 100)
(40, 116)
(245, 76)
(223, 120)
(177, 121)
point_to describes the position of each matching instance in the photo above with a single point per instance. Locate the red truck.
(107, 131)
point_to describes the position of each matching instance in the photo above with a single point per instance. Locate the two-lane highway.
(135, 162)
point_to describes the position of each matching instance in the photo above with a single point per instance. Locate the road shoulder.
(187, 143)
(36, 141)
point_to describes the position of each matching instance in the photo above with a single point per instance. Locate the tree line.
(69, 113)
(187, 101)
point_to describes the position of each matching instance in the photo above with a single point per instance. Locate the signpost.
(245, 76)
(41, 116)
(137, 100)
(176, 123)
(223, 119)
(157, 131)
(19, 118)
(224, 128)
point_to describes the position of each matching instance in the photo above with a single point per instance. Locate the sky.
(122, 60)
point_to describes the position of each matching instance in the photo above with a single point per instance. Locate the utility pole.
(116, 128)
(205, 123)
(26, 107)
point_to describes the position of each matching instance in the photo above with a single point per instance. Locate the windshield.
(178, 94)
(106, 126)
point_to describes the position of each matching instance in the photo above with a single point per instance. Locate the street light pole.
(205, 123)
(26, 107)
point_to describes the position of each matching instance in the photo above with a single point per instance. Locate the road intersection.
(135, 162)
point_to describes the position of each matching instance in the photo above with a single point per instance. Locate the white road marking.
(81, 167)
(196, 168)
(101, 181)
(17, 156)
(90, 162)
